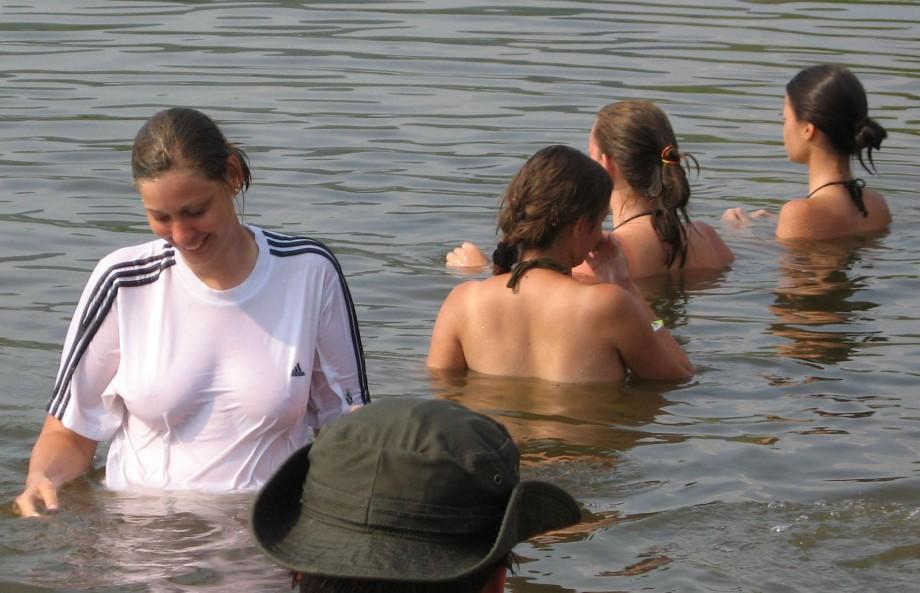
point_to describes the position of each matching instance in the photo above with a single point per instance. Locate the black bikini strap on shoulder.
(853, 186)
(522, 267)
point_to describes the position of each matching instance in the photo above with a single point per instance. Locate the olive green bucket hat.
(414, 490)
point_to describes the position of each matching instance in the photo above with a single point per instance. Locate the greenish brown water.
(388, 130)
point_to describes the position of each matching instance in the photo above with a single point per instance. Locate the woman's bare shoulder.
(877, 206)
(797, 220)
(604, 298)
(643, 249)
(716, 251)
(477, 289)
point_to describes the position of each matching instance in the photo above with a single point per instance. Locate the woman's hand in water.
(38, 490)
(608, 262)
(59, 456)
(736, 216)
(739, 217)
(466, 256)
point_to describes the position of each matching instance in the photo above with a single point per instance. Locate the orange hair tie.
(665, 152)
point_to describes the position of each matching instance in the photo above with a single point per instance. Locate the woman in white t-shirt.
(205, 356)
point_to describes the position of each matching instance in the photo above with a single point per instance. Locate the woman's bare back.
(645, 251)
(551, 327)
(555, 328)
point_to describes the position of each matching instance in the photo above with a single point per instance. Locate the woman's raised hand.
(467, 255)
(608, 261)
(739, 217)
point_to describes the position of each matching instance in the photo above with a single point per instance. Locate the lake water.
(790, 463)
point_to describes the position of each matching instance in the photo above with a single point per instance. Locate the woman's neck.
(626, 204)
(556, 253)
(825, 167)
(234, 264)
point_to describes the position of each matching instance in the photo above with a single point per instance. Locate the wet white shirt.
(205, 389)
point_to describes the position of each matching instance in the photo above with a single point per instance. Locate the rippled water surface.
(388, 130)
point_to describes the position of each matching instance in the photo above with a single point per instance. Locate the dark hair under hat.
(414, 490)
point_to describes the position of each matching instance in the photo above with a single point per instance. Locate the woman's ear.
(809, 130)
(234, 172)
(582, 227)
(609, 165)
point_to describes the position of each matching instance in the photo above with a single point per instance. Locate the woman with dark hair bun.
(532, 319)
(634, 142)
(825, 123)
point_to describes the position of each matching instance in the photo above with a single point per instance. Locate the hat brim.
(315, 544)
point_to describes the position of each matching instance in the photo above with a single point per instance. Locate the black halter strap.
(633, 217)
(522, 267)
(854, 187)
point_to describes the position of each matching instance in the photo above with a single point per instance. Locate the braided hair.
(556, 186)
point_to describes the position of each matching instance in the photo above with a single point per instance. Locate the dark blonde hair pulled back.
(181, 137)
(638, 137)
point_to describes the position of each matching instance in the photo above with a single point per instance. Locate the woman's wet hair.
(638, 137)
(554, 189)
(181, 137)
(832, 98)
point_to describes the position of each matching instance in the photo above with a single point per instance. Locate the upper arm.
(879, 204)
(339, 378)
(90, 359)
(54, 429)
(446, 349)
(60, 452)
(647, 353)
(723, 253)
(795, 220)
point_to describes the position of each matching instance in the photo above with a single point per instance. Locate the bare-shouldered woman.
(634, 142)
(825, 124)
(531, 319)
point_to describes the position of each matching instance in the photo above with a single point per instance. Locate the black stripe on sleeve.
(126, 274)
(286, 246)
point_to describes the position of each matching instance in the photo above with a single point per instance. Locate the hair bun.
(869, 134)
(504, 256)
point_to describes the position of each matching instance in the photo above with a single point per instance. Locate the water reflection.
(669, 295)
(558, 421)
(388, 129)
(574, 435)
(815, 304)
(176, 542)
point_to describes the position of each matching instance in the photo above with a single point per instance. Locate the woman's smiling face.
(191, 212)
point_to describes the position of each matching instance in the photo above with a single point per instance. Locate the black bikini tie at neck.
(524, 266)
(853, 186)
(633, 217)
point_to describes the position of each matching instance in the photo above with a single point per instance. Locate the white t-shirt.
(205, 389)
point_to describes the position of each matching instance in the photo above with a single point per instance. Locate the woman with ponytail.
(532, 319)
(634, 142)
(825, 124)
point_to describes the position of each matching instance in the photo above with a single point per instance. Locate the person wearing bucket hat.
(405, 495)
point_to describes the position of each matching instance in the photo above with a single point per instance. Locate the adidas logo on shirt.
(298, 372)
